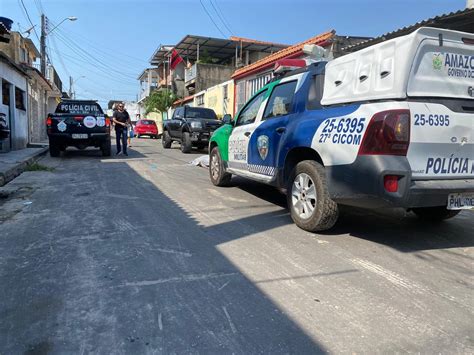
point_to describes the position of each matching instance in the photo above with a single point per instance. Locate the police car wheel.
(216, 169)
(166, 140)
(435, 213)
(308, 198)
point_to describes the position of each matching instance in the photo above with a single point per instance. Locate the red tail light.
(49, 121)
(390, 183)
(388, 133)
(78, 118)
(468, 40)
(107, 122)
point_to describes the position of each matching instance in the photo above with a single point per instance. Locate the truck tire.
(308, 199)
(217, 173)
(166, 140)
(54, 150)
(106, 148)
(434, 214)
(186, 143)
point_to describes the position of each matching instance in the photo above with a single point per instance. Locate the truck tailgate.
(441, 142)
(77, 124)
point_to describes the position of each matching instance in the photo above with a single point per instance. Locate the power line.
(98, 71)
(29, 19)
(48, 51)
(58, 54)
(38, 7)
(101, 47)
(41, 6)
(221, 17)
(101, 51)
(210, 17)
(87, 56)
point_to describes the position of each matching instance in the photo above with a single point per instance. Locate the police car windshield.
(79, 108)
(195, 112)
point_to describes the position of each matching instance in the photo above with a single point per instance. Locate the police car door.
(265, 142)
(247, 121)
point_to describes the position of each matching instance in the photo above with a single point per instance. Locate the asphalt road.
(142, 254)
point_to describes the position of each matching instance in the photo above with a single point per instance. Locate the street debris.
(202, 161)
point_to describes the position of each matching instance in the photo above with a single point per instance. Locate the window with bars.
(200, 100)
(259, 82)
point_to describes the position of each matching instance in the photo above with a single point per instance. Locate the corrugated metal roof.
(249, 40)
(219, 48)
(284, 53)
(462, 20)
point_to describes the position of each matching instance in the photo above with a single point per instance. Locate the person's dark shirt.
(121, 117)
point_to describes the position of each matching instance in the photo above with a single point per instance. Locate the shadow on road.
(124, 269)
(395, 228)
(73, 153)
(404, 231)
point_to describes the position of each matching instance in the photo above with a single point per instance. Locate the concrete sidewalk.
(15, 162)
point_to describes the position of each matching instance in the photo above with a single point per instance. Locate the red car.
(146, 128)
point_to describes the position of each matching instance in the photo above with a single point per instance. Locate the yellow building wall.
(214, 98)
(158, 118)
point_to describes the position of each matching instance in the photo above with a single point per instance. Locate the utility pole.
(70, 87)
(43, 45)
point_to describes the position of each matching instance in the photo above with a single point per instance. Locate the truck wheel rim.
(214, 167)
(303, 196)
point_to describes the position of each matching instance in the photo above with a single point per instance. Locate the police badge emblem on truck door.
(262, 145)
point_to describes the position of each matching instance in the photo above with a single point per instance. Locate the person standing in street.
(122, 121)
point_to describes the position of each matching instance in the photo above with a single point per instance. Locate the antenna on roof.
(28, 31)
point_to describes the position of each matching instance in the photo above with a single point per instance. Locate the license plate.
(79, 136)
(461, 201)
(148, 132)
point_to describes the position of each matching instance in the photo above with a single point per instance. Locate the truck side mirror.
(227, 119)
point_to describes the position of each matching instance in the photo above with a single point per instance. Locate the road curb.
(13, 172)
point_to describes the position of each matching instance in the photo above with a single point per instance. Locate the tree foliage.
(159, 101)
(205, 58)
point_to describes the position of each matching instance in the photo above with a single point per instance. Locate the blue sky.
(112, 40)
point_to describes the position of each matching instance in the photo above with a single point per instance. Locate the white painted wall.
(18, 118)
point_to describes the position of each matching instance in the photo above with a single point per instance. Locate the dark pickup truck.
(78, 123)
(191, 126)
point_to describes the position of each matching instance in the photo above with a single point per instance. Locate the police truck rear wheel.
(166, 140)
(433, 214)
(219, 176)
(308, 198)
(106, 148)
(54, 150)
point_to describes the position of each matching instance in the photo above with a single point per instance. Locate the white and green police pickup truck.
(388, 126)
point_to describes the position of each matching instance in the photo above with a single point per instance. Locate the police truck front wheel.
(166, 140)
(308, 198)
(186, 143)
(219, 176)
(434, 214)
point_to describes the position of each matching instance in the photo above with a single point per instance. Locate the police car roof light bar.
(285, 65)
